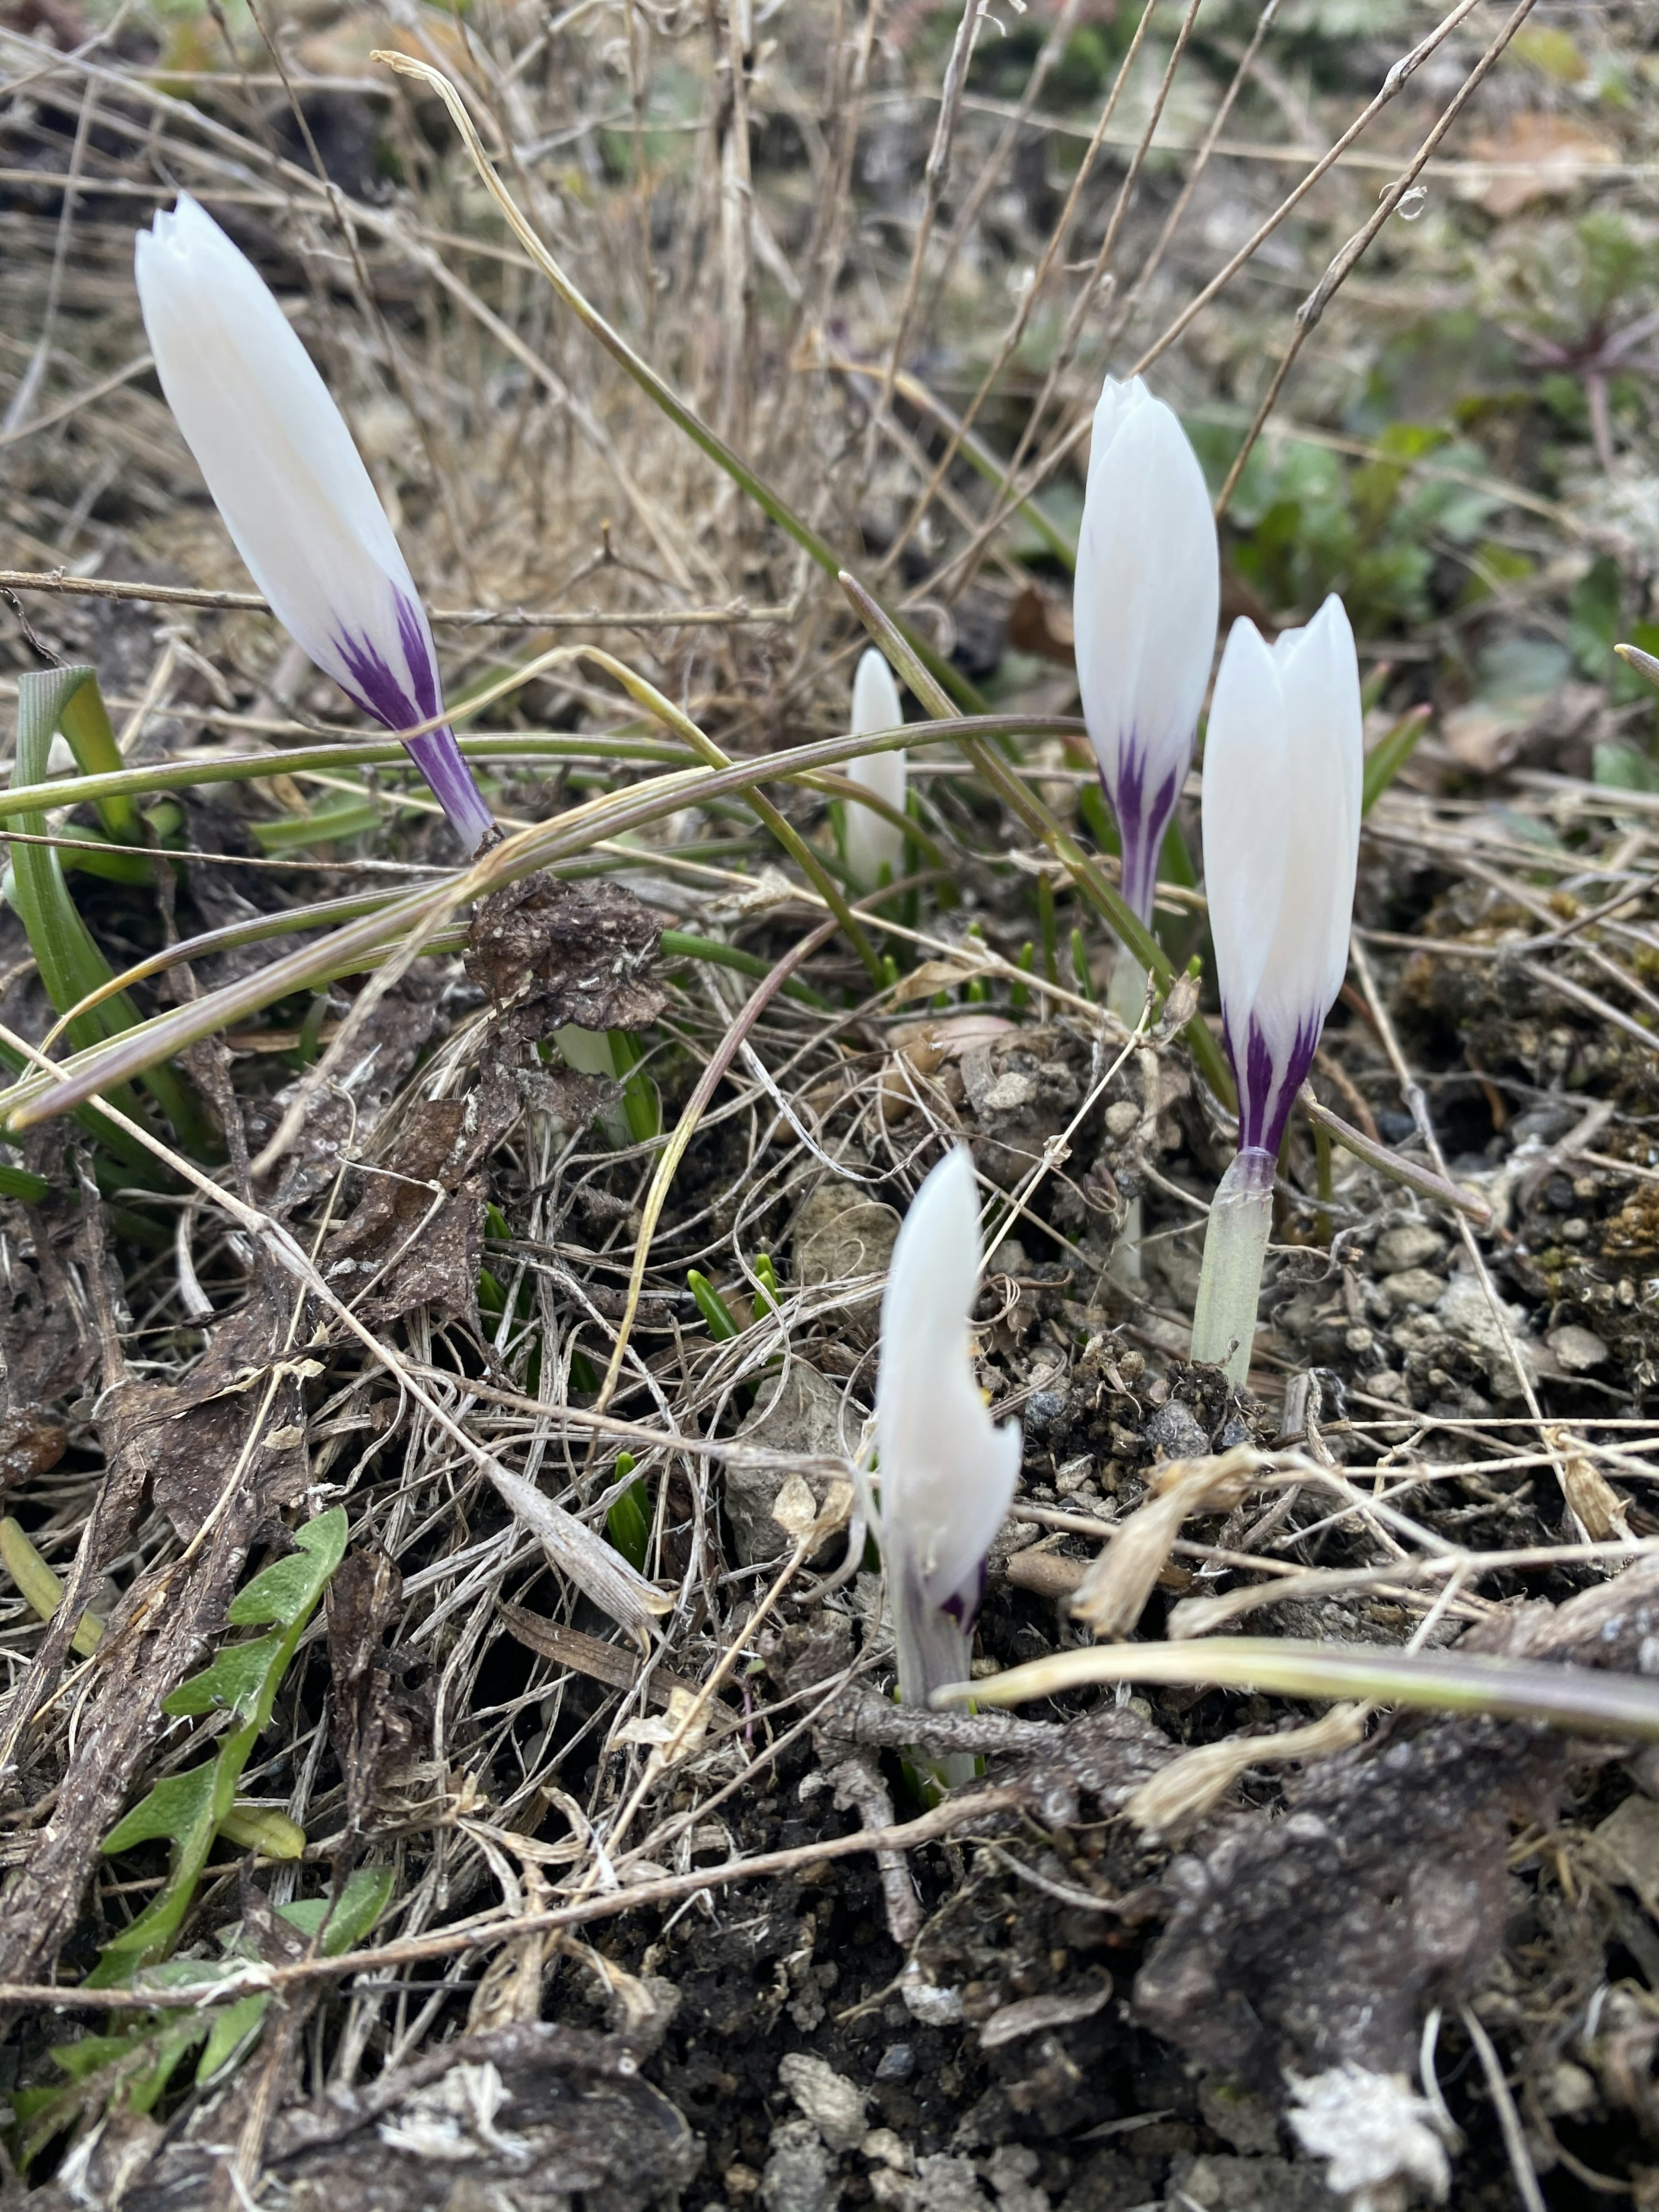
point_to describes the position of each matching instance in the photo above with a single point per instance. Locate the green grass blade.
(1584, 1701)
(38, 1096)
(72, 968)
(1390, 755)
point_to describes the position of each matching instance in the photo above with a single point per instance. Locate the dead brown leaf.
(1535, 156)
(548, 952)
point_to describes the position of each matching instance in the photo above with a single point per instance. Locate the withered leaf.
(421, 1217)
(362, 1603)
(190, 1435)
(548, 952)
(31, 1443)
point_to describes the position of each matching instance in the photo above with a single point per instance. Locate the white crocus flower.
(1283, 769)
(292, 487)
(1144, 607)
(947, 1470)
(1283, 763)
(872, 842)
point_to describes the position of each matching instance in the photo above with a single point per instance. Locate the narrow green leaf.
(627, 1518)
(1390, 755)
(360, 943)
(84, 720)
(712, 1306)
(71, 966)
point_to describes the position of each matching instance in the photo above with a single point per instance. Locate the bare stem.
(1229, 1284)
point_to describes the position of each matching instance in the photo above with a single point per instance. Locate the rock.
(1375, 2130)
(1388, 1382)
(1411, 1245)
(1577, 1350)
(883, 2147)
(798, 1411)
(896, 2063)
(839, 1236)
(1413, 1286)
(798, 2176)
(1249, 2123)
(927, 2001)
(834, 2105)
(1218, 2183)
(1174, 1432)
(1122, 1118)
(1465, 1312)
(1630, 1835)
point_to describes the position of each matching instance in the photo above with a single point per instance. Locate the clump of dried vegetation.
(533, 1824)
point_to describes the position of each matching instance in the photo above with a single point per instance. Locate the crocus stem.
(1126, 999)
(1127, 995)
(1229, 1283)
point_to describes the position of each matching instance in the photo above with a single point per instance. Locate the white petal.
(1324, 750)
(876, 703)
(947, 1471)
(1245, 826)
(1148, 585)
(871, 839)
(275, 451)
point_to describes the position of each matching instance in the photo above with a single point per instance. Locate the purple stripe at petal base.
(439, 758)
(403, 701)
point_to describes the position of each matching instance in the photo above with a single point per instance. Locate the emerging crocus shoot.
(947, 1470)
(293, 490)
(872, 844)
(1144, 608)
(1283, 763)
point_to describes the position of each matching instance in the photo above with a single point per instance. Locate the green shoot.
(767, 1276)
(1019, 996)
(1049, 929)
(1080, 965)
(712, 1306)
(188, 1809)
(628, 1519)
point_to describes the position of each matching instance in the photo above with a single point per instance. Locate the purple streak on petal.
(1141, 823)
(1267, 1090)
(963, 1606)
(439, 760)
(402, 701)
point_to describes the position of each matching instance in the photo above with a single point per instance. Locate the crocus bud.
(947, 1470)
(1284, 762)
(1144, 607)
(292, 487)
(872, 842)
(1284, 766)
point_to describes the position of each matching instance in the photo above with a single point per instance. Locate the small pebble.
(1174, 1432)
(896, 2063)
(883, 2147)
(1578, 1349)
(1412, 1244)
(1413, 1286)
